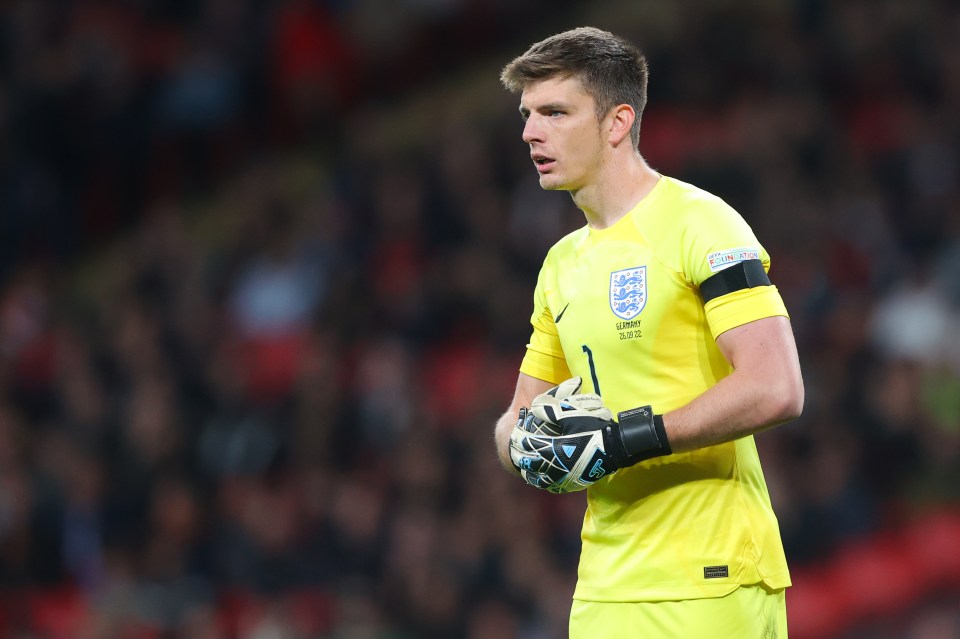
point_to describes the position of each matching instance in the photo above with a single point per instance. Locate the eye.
(556, 114)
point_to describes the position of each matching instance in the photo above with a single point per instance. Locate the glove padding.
(557, 444)
(567, 441)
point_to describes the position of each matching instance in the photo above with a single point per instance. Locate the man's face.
(563, 133)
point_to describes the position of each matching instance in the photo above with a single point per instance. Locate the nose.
(531, 131)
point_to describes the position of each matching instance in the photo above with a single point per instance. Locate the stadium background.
(265, 277)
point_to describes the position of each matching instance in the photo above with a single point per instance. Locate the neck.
(617, 189)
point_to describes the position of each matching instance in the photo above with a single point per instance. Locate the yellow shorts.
(749, 612)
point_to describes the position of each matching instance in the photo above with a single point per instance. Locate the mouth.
(542, 162)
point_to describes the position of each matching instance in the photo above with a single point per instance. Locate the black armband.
(745, 274)
(642, 435)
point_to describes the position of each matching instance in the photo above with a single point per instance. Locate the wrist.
(642, 435)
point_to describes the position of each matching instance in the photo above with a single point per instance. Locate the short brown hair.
(608, 67)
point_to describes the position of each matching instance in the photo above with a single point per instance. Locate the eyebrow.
(549, 106)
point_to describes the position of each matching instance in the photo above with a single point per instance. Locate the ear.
(621, 119)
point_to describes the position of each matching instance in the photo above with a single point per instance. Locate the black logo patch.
(715, 572)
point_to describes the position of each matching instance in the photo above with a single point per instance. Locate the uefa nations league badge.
(628, 292)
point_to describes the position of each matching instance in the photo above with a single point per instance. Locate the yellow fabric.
(750, 612)
(546, 356)
(634, 321)
(738, 308)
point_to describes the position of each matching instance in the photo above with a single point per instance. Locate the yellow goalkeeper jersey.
(621, 308)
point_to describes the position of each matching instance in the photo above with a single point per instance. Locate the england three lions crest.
(628, 292)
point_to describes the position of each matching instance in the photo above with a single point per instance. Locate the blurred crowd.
(265, 282)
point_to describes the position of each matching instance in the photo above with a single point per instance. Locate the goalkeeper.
(659, 347)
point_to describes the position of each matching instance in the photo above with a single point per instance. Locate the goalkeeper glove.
(567, 441)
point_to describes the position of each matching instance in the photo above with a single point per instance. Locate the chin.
(551, 183)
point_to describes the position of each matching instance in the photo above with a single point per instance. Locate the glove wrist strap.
(642, 435)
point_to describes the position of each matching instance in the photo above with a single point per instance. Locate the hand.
(567, 441)
(557, 463)
(554, 460)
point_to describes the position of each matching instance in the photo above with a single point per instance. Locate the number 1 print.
(593, 369)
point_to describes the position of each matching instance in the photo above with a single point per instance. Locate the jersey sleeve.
(544, 358)
(716, 237)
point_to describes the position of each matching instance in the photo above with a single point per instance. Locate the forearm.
(765, 388)
(527, 388)
(501, 436)
(735, 407)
